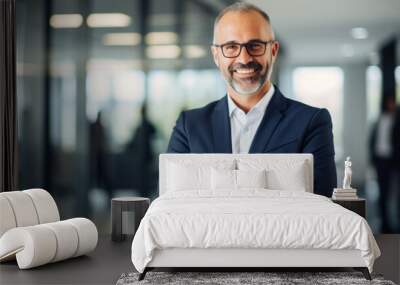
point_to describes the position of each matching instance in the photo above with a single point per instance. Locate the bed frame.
(246, 259)
(249, 258)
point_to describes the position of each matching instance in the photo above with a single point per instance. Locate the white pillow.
(281, 174)
(193, 175)
(251, 178)
(237, 179)
(223, 179)
(291, 180)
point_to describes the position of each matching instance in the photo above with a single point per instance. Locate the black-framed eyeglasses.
(254, 48)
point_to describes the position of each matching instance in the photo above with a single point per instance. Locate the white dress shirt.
(244, 126)
(383, 147)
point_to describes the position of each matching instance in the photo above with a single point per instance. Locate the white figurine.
(347, 174)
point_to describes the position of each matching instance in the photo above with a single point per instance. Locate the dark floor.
(110, 260)
(389, 262)
(103, 266)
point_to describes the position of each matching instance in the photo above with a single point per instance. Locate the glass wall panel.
(119, 74)
(322, 87)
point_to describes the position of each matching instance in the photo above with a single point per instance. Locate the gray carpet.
(225, 278)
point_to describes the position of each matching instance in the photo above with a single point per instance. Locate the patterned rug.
(243, 278)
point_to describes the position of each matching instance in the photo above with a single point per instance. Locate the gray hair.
(244, 8)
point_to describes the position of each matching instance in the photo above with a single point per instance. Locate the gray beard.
(257, 86)
(249, 91)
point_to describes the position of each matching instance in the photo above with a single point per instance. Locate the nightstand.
(357, 206)
(126, 214)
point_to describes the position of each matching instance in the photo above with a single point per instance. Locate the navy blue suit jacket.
(288, 126)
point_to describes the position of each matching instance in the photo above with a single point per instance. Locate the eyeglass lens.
(234, 49)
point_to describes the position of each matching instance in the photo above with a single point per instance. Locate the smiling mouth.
(245, 70)
(245, 73)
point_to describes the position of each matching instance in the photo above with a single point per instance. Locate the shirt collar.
(260, 106)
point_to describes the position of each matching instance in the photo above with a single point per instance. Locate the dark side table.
(126, 214)
(357, 206)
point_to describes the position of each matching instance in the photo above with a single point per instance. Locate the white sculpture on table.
(346, 192)
(347, 174)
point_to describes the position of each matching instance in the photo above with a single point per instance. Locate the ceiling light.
(194, 51)
(347, 50)
(162, 20)
(166, 52)
(108, 20)
(99, 64)
(359, 33)
(121, 39)
(161, 38)
(61, 21)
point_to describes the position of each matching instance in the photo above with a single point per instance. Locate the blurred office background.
(100, 84)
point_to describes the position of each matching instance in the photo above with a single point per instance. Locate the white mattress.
(251, 218)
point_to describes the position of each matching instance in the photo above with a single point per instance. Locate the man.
(255, 117)
(385, 154)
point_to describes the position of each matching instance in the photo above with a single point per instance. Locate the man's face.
(245, 74)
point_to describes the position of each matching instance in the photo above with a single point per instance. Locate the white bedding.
(251, 218)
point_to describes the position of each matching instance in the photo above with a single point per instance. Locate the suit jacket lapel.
(270, 121)
(221, 127)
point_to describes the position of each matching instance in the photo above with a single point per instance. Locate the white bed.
(248, 210)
